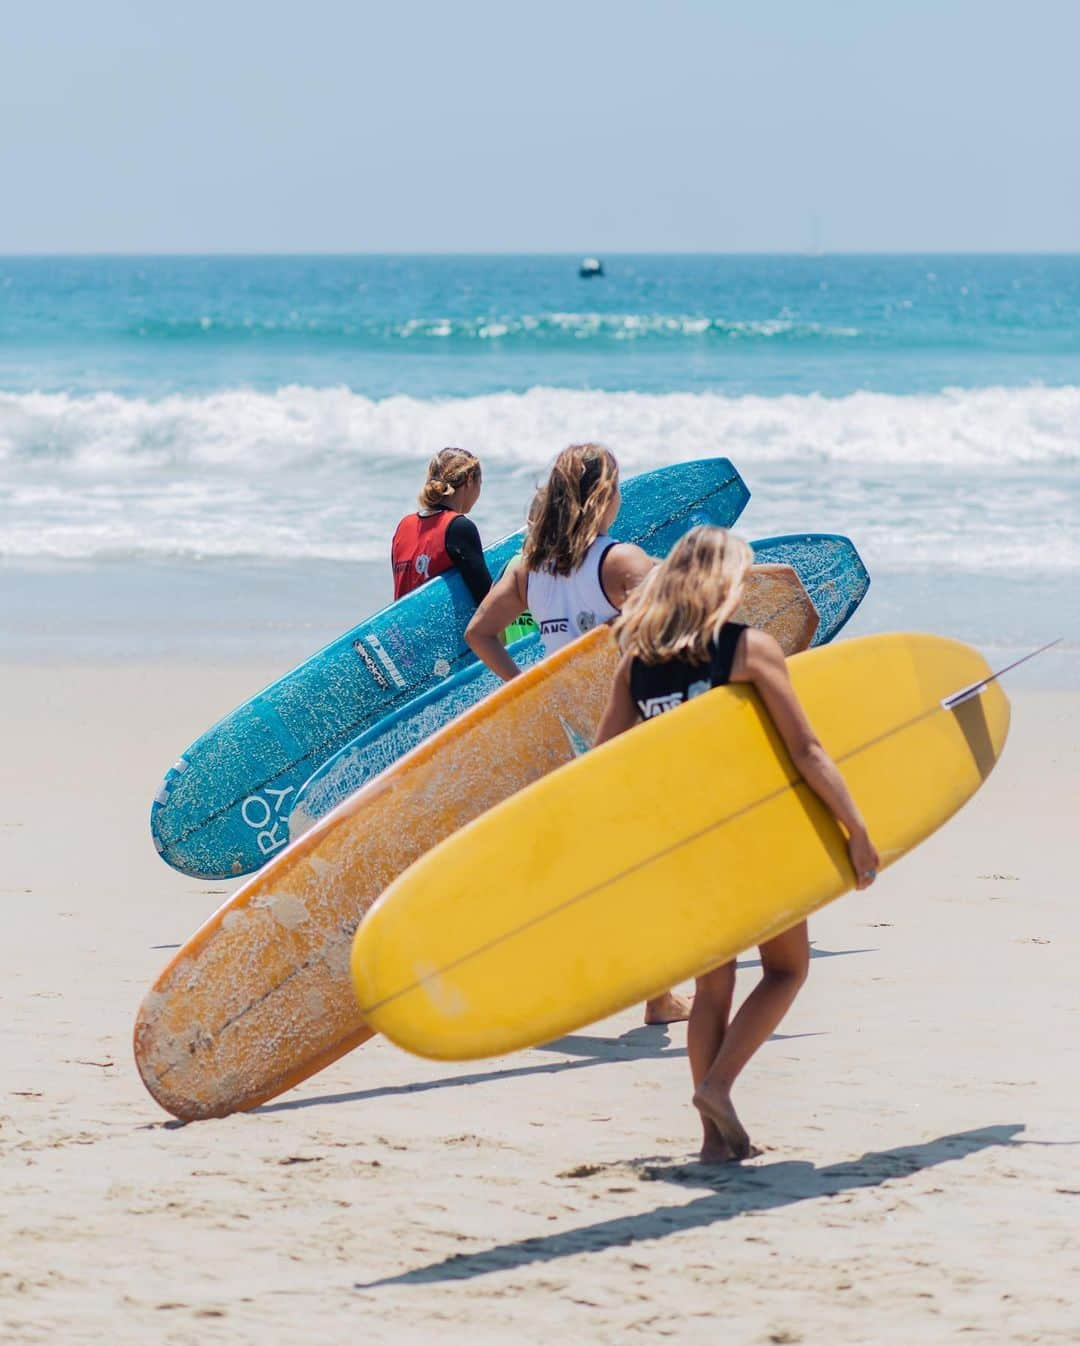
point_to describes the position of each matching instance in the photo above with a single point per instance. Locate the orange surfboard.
(260, 997)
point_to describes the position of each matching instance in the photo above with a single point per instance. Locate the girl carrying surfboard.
(677, 643)
(572, 577)
(439, 535)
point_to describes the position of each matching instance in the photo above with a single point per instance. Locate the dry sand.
(920, 1176)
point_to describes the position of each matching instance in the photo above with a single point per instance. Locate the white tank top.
(566, 606)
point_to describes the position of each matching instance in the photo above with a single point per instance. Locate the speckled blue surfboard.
(829, 567)
(222, 810)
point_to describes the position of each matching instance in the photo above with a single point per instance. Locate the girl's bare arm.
(623, 569)
(504, 603)
(761, 661)
(620, 713)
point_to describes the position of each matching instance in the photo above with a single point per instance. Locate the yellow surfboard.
(260, 997)
(669, 851)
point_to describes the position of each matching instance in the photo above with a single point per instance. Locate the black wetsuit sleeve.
(464, 549)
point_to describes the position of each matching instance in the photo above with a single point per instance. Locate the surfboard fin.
(973, 690)
(579, 744)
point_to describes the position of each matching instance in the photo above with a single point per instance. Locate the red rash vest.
(418, 552)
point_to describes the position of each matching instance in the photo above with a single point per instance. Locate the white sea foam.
(108, 435)
(619, 327)
(983, 478)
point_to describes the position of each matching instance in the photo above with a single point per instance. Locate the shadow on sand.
(636, 1045)
(732, 1190)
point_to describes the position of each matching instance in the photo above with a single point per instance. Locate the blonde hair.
(449, 469)
(564, 520)
(678, 609)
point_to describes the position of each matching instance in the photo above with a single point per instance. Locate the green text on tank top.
(524, 625)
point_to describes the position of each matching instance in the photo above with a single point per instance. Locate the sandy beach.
(257, 273)
(917, 1115)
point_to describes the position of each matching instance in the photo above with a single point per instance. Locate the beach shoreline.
(918, 1104)
(271, 618)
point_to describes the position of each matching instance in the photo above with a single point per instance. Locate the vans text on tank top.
(566, 606)
(656, 688)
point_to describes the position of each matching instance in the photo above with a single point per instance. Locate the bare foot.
(715, 1149)
(715, 1106)
(668, 1008)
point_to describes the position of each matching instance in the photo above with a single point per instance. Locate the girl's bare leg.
(704, 1036)
(785, 961)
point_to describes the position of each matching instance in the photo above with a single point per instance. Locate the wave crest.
(964, 479)
(325, 428)
(519, 329)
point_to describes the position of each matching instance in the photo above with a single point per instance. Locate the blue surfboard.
(828, 565)
(222, 810)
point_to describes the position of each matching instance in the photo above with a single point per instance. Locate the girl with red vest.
(439, 536)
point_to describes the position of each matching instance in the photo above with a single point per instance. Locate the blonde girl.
(439, 536)
(678, 641)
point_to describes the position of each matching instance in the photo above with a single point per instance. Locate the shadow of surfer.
(732, 1191)
(641, 1043)
(637, 1045)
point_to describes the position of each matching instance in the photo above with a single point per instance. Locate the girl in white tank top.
(566, 606)
(572, 576)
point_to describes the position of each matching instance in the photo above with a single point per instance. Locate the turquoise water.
(464, 326)
(226, 416)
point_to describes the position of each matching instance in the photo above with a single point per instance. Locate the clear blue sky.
(600, 125)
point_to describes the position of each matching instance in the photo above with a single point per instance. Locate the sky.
(593, 126)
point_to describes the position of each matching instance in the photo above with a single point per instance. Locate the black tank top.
(656, 688)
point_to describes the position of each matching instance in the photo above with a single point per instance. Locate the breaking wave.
(325, 428)
(983, 479)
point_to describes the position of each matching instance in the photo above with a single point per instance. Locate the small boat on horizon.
(590, 266)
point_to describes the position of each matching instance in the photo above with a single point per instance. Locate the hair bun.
(449, 469)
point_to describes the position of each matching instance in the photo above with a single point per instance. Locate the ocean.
(210, 454)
